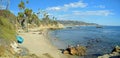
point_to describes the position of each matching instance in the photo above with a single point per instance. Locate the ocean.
(96, 40)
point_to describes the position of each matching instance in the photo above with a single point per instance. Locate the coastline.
(38, 44)
(96, 41)
(56, 41)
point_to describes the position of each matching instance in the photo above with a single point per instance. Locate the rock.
(15, 47)
(73, 51)
(65, 52)
(81, 50)
(104, 56)
(77, 50)
(116, 49)
(115, 53)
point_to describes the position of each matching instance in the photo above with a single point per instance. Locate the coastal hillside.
(75, 23)
(34, 29)
(9, 48)
(9, 15)
(7, 29)
(7, 33)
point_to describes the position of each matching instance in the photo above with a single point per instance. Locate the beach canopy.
(19, 39)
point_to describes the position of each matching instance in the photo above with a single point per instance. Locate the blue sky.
(104, 12)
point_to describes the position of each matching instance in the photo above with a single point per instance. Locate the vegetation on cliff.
(7, 32)
(74, 23)
(7, 29)
(27, 18)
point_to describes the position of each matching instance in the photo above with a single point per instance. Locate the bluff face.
(75, 23)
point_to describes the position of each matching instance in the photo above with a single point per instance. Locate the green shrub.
(7, 30)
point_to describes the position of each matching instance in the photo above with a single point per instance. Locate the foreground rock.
(115, 53)
(79, 51)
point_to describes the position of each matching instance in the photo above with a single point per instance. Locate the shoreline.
(96, 54)
(38, 44)
(56, 41)
(48, 45)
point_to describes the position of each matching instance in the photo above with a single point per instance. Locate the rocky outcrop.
(78, 50)
(115, 53)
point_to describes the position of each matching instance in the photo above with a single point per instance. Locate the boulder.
(104, 56)
(73, 51)
(116, 49)
(65, 52)
(77, 50)
(15, 47)
(115, 53)
(81, 50)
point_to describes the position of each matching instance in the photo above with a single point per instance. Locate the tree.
(27, 1)
(35, 19)
(21, 19)
(21, 5)
(27, 13)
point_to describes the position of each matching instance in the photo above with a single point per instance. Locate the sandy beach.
(38, 44)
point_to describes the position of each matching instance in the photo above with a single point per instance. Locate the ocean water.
(97, 40)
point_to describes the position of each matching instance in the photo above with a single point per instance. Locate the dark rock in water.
(81, 51)
(99, 26)
(89, 56)
(115, 57)
(115, 53)
(116, 49)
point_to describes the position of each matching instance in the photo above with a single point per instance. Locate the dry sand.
(39, 44)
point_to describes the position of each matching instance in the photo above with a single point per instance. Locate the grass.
(2, 50)
(7, 30)
(7, 33)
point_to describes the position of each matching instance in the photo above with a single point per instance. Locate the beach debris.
(19, 39)
(77, 50)
(115, 53)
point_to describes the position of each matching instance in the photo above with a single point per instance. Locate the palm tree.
(21, 5)
(27, 13)
(21, 19)
(27, 1)
(35, 19)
